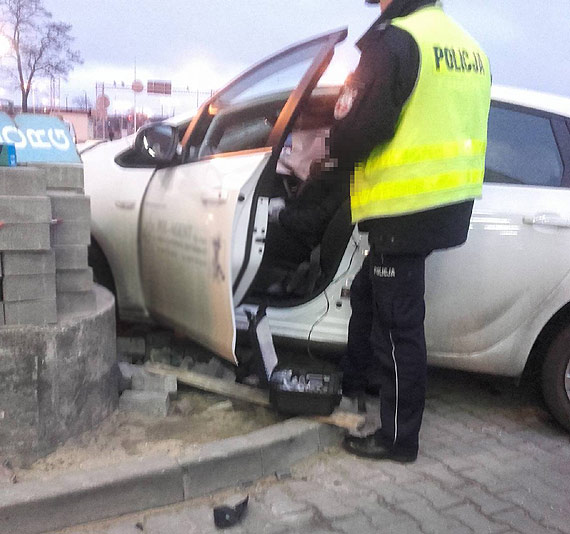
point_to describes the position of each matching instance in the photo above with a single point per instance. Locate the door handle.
(547, 219)
(125, 204)
(214, 196)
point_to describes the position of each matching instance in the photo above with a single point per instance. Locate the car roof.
(532, 99)
(550, 103)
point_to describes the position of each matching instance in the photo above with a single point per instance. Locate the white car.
(180, 216)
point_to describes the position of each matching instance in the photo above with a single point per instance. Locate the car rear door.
(517, 253)
(202, 225)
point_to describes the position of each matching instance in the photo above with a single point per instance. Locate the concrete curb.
(33, 508)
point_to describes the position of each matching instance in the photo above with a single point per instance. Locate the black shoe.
(367, 447)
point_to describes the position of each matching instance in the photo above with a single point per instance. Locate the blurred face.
(384, 4)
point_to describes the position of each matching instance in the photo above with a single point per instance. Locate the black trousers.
(386, 332)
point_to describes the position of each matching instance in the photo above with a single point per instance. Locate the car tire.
(556, 377)
(102, 274)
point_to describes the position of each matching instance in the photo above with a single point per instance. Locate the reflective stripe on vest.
(437, 155)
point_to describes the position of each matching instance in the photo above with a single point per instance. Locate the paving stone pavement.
(491, 460)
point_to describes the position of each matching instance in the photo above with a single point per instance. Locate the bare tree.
(82, 102)
(40, 47)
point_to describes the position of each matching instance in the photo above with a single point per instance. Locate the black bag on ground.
(310, 388)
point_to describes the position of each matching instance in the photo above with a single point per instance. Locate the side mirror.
(158, 143)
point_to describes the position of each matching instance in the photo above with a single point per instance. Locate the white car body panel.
(116, 195)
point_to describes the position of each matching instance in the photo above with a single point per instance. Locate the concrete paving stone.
(278, 500)
(533, 450)
(71, 233)
(22, 181)
(130, 348)
(63, 176)
(225, 463)
(33, 312)
(326, 502)
(160, 355)
(456, 429)
(70, 207)
(301, 521)
(528, 483)
(152, 403)
(31, 262)
(441, 474)
(383, 516)
(499, 449)
(465, 450)
(488, 503)
(70, 256)
(520, 521)
(74, 280)
(142, 380)
(555, 476)
(25, 236)
(450, 458)
(435, 494)
(1, 313)
(401, 474)
(25, 209)
(199, 520)
(430, 520)
(356, 523)
(474, 519)
(126, 375)
(546, 513)
(75, 302)
(505, 421)
(405, 526)
(29, 287)
(391, 493)
(490, 481)
(488, 461)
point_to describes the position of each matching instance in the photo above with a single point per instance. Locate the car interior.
(283, 282)
(246, 126)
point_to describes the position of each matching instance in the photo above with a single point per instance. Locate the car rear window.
(522, 149)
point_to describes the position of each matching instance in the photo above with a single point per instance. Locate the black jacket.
(384, 80)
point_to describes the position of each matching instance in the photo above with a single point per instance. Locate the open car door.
(203, 220)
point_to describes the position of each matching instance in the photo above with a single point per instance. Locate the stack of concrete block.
(70, 237)
(147, 393)
(27, 266)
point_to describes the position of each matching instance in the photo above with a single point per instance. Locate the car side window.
(521, 149)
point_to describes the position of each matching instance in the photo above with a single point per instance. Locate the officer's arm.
(383, 81)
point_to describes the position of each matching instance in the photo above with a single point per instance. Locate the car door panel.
(480, 293)
(188, 261)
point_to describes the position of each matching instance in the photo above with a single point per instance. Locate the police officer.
(411, 122)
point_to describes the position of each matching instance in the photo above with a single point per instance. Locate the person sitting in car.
(297, 222)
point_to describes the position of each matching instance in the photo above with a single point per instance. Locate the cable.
(334, 281)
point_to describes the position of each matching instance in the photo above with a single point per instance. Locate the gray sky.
(204, 43)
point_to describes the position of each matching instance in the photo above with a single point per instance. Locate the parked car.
(179, 216)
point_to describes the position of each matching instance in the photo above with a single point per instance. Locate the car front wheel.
(556, 377)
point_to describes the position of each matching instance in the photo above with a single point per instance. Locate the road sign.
(160, 87)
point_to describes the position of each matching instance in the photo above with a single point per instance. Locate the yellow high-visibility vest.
(437, 155)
